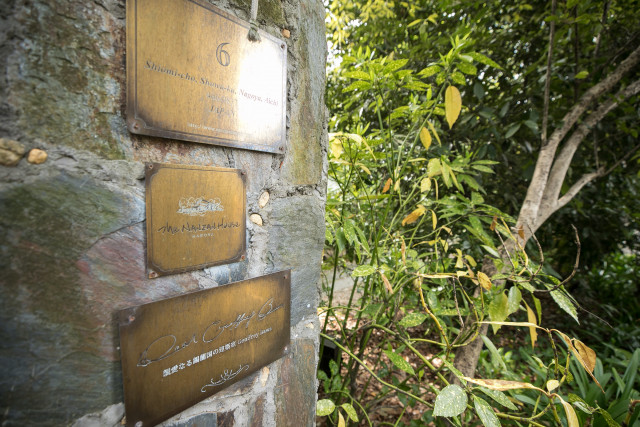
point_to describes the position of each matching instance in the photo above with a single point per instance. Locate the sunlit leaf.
(425, 138)
(433, 130)
(434, 220)
(582, 75)
(452, 104)
(572, 419)
(498, 310)
(515, 296)
(351, 412)
(336, 147)
(485, 413)
(324, 407)
(531, 317)
(399, 362)
(434, 168)
(499, 397)
(358, 74)
(341, 422)
(587, 356)
(430, 71)
(413, 319)
(413, 216)
(425, 185)
(485, 282)
(359, 84)
(450, 402)
(502, 385)
(552, 385)
(467, 68)
(363, 270)
(484, 60)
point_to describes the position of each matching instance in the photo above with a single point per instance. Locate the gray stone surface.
(72, 231)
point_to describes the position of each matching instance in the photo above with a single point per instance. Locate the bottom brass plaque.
(178, 351)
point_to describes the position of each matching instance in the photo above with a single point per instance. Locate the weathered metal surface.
(178, 351)
(192, 74)
(195, 217)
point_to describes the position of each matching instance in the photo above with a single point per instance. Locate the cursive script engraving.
(144, 358)
(227, 375)
(165, 346)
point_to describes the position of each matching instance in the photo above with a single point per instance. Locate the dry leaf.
(484, 280)
(502, 385)
(386, 282)
(413, 216)
(531, 316)
(387, 185)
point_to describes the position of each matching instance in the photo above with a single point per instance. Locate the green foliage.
(428, 100)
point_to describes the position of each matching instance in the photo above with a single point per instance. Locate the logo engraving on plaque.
(227, 375)
(198, 206)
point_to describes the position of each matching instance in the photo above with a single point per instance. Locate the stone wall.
(72, 229)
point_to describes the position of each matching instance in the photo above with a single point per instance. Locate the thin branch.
(603, 21)
(573, 272)
(547, 79)
(625, 157)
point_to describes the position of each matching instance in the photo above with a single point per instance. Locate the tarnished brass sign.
(192, 74)
(178, 351)
(195, 217)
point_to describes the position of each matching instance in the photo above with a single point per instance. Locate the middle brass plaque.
(195, 217)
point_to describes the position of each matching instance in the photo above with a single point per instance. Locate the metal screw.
(242, 258)
(153, 275)
(132, 318)
(139, 424)
(281, 148)
(136, 126)
(282, 46)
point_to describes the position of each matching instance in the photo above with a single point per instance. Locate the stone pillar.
(72, 229)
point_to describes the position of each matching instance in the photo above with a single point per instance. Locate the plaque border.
(154, 270)
(137, 125)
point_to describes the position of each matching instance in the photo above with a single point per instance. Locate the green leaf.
(325, 407)
(458, 78)
(482, 168)
(491, 251)
(498, 310)
(430, 71)
(399, 362)
(478, 90)
(363, 270)
(358, 74)
(582, 75)
(499, 397)
(349, 231)
(351, 412)
(564, 302)
(485, 412)
(434, 168)
(512, 130)
(455, 371)
(467, 68)
(360, 84)
(394, 65)
(515, 296)
(413, 319)
(496, 359)
(608, 418)
(478, 57)
(450, 402)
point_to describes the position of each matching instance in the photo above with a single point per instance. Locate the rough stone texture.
(72, 232)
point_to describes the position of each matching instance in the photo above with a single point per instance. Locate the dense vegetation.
(468, 139)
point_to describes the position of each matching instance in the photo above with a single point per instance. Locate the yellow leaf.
(572, 419)
(502, 385)
(403, 251)
(387, 185)
(552, 385)
(531, 316)
(484, 280)
(433, 129)
(452, 105)
(364, 168)
(396, 186)
(587, 355)
(413, 216)
(336, 147)
(341, 420)
(434, 219)
(386, 282)
(459, 262)
(471, 260)
(425, 138)
(425, 185)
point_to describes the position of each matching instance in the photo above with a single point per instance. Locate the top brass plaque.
(178, 351)
(195, 217)
(193, 74)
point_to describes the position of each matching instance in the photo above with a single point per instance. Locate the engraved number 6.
(222, 55)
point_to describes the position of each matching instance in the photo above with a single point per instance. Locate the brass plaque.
(193, 74)
(178, 351)
(195, 217)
